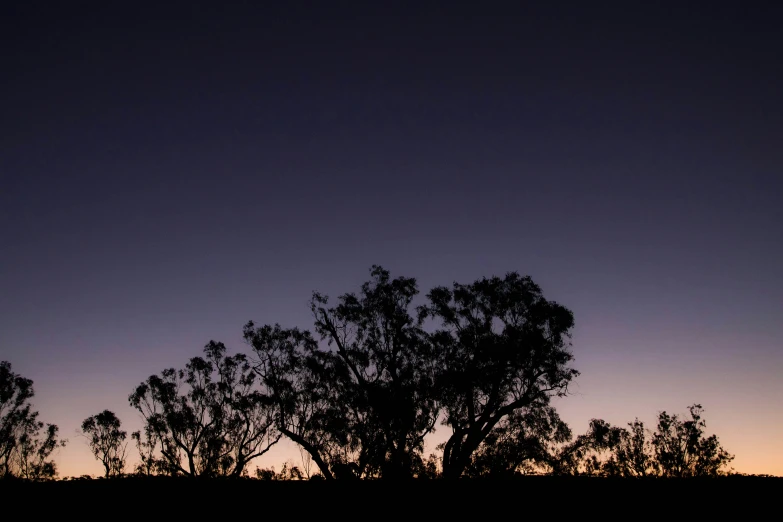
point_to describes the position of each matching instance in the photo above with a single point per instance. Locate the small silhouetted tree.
(25, 443)
(633, 454)
(107, 441)
(266, 473)
(429, 468)
(208, 419)
(307, 462)
(677, 448)
(588, 453)
(288, 472)
(503, 347)
(682, 450)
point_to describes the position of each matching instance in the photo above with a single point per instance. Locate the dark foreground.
(540, 498)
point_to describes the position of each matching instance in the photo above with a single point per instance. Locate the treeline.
(360, 393)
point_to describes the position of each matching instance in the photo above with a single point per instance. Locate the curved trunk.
(309, 448)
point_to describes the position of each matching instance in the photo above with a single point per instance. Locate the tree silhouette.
(586, 454)
(633, 453)
(107, 441)
(208, 419)
(289, 472)
(25, 443)
(360, 399)
(503, 348)
(364, 407)
(682, 450)
(677, 448)
(388, 368)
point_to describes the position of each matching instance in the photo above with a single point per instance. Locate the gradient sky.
(169, 173)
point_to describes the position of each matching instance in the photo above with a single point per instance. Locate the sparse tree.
(107, 441)
(503, 347)
(307, 462)
(208, 419)
(146, 444)
(25, 442)
(35, 446)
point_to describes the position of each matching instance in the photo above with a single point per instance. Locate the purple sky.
(166, 176)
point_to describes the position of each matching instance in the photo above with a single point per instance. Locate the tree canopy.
(503, 348)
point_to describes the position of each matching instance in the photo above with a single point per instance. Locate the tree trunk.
(322, 466)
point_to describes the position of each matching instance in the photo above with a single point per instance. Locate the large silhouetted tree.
(389, 365)
(504, 348)
(25, 442)
(363, 406)
(209, 419)
(107, 441)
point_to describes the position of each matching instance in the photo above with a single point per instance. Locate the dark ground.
(539, 498)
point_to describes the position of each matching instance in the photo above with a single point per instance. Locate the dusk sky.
(169, 173)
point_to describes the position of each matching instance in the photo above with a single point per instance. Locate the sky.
(170, 172)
